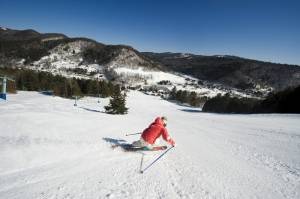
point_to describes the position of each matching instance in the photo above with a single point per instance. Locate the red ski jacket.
(155, 130)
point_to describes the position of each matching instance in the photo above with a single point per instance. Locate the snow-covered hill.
(66, 59)
(88, 59)
(51, 149)
(126, 68)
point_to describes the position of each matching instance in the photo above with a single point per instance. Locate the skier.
(154, 131)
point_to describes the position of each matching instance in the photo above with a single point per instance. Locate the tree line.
(286, 101)
(29, 80)
(187, 97)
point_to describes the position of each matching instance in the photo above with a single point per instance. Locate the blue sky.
(264, 30)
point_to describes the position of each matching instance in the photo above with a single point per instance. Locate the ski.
(129, 147)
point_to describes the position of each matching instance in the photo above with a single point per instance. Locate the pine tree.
(11, 87)
(104, 89)
(75, 88)
(117, 103)
(173, 92)
(92, 87)
(193, 99)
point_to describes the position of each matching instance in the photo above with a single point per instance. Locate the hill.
(155, 73)
(232, 71)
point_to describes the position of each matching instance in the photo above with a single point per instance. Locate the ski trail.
(184, 176)
(51, 149)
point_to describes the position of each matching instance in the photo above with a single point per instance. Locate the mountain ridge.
(81, 57)
(232, 71)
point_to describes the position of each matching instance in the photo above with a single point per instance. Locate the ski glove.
(172, 142)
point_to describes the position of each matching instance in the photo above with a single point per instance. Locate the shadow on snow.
(117, 142)
(191, 110)
(92, 110)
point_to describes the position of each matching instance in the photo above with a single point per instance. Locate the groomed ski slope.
(51, 149)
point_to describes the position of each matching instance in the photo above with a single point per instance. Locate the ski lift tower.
(4, 80)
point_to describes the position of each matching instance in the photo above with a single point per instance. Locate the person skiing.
(154, 131)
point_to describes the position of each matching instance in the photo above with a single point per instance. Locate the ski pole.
(132, 134)
(142, 171)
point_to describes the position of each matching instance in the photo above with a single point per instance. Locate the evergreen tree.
(75, 88)
(92, 87)
(173, 92)
(117, 103)
(104, 89)
(10, 86)
(193, 99)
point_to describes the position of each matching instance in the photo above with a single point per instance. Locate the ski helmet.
(165, 120)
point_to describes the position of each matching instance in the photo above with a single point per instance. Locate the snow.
(65, 59)
(183, 55)
(182, 82)
(150, 76)
(51, 149)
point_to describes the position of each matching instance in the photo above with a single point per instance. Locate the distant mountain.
(58, 53)
(19, 35)
(231, 71)
(160, 72)
(87, 59)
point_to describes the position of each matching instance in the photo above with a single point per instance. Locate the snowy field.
(51, 149)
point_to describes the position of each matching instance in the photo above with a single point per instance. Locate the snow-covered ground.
(151, 76)
(51, 149)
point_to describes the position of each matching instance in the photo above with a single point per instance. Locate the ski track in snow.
(51, 149)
